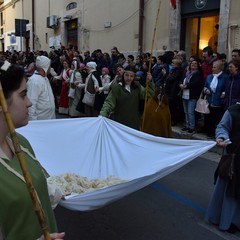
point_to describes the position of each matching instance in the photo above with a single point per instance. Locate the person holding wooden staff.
(18, 219)
(124, 98)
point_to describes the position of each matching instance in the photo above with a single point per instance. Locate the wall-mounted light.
(233, 25)
(107, 24)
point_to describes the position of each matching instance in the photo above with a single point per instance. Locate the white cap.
(92, 65)
(43, 62)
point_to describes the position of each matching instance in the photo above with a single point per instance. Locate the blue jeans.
(189, 110)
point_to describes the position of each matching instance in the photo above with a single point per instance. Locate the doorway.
(199, 33)
(72, 32)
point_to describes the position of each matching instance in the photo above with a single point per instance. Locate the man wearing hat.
(40, 93)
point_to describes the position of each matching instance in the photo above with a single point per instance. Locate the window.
(71, 5)
(201, 32)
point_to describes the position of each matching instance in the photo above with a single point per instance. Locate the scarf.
(188, 77)
(214, 82)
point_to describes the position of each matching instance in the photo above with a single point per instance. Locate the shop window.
(201, 32)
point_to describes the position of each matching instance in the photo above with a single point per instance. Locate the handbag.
(202, 105)
(226, 166)
(71, 92)
(89, 98)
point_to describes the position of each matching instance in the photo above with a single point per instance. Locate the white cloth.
(55, 194)
(214, 82)
(5, 65)
(43, 62)
(108, 149)
(40, 94)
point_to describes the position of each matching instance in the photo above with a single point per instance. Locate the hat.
(130, 68)
(92, 65)
(43, 62)
(139, 74)
(105, 69)
(81, 66)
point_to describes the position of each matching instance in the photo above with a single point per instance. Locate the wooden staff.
(150, 63)
(36, 202)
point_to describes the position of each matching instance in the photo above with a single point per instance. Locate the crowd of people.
(146, 94)
(72, 76)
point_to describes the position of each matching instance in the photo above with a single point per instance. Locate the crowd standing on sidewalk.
(183, 81)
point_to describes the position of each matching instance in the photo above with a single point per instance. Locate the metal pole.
(150, 63)
(140, 31)
(33, 24)
(21, 21)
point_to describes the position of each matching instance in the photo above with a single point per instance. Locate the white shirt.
(40, 94)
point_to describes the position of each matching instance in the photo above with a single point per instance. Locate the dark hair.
(209, 50)
(154, 60)
(11, 79)
(30, 58)
(98, 50)
(236, 63)
(161, 58)
(168, 57)
(222, 56)
(131, 57)
(107, 55)
(117, 66)
(198, 66)
(116, 49)
(236, 50)
(121, 55)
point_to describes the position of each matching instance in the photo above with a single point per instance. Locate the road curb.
(177, 133)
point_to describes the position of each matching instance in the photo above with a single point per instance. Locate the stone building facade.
(92, 24)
